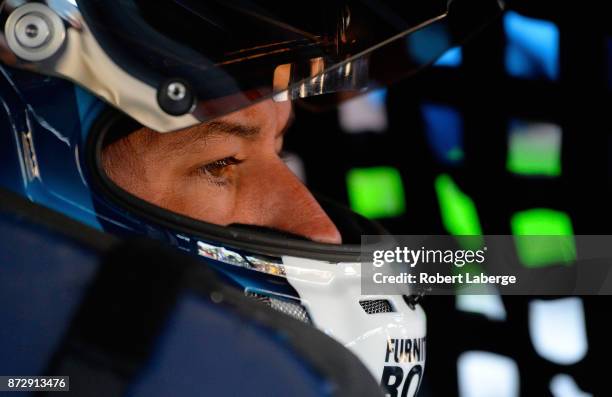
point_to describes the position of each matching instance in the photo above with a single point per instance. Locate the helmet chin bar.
(388, 333)
(390, 338)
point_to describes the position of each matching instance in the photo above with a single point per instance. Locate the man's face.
(225, 171)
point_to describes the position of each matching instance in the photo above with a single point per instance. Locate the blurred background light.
(458, 211)
(532, 47)
(557, 329)
(484, 374)
(428, 44)
(376, 192)
(534, 148)
(444, 129)
(451, 58)
(364, 113)
(502, 109)
(490, 306)
(563, 385)
(555, 244)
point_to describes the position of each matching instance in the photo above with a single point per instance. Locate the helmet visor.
(228, 54)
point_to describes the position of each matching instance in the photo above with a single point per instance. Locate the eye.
(218, 168)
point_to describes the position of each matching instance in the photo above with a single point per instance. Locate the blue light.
(451, 58)
(444, 128)
(532, 49)
(378, 97)
(427, 44)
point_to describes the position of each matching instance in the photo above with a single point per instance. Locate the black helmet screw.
(175, 97)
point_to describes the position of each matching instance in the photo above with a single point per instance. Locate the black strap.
(114, 330)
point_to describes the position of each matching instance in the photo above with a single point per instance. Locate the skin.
(225, 171)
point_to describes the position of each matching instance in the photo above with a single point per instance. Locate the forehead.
(264, 119)
(262, 113)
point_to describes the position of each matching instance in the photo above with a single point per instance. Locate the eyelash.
(209, 169)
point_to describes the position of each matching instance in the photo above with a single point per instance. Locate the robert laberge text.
(437, 278)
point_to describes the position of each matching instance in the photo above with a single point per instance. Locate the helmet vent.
(375, 306)
(292, 309)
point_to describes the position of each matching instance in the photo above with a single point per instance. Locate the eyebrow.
(186, 139)
(229, 128)
(183, 140)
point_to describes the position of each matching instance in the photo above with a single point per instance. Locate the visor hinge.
(34, 32)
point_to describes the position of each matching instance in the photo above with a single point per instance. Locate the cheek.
(201, 200)
(283, 112)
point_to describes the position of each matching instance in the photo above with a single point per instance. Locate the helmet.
(76, 73)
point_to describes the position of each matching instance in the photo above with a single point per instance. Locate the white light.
(485, 374)
(365, 113)
(539, 143)
(491, 306)
(563, 385)
(557, 329)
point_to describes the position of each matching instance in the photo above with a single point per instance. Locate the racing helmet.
(74, 72)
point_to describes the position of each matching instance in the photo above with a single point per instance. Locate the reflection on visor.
(263, 264)
(266, 265)
(171, 64)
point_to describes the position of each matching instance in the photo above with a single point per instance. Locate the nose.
(286, 204)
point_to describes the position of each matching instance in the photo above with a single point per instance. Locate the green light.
(376, 192)
(459, 214)
(534, 149)
(455, 155)
(543, 237)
